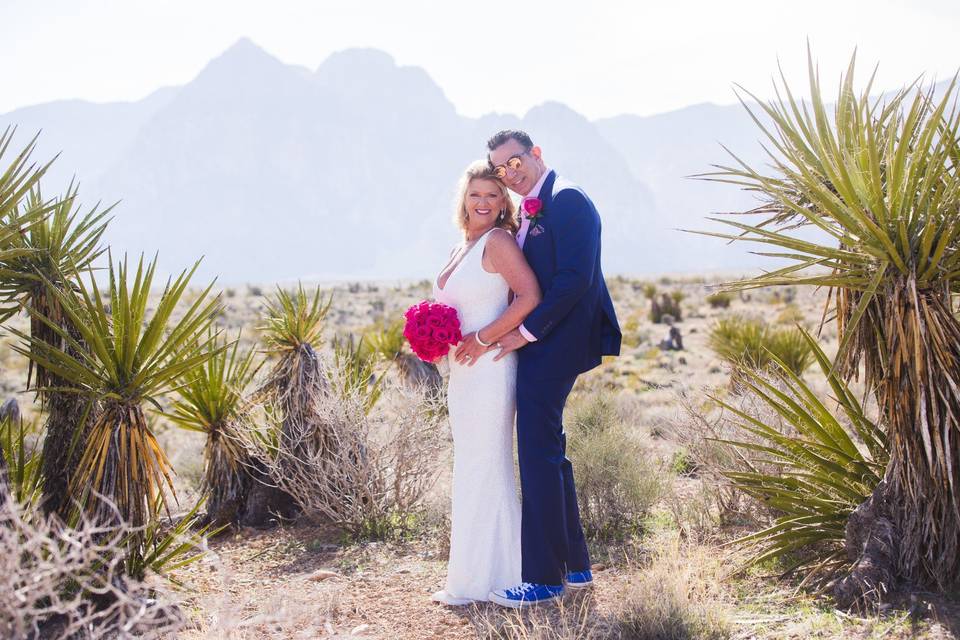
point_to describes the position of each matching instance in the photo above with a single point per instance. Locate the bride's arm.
(508, 261)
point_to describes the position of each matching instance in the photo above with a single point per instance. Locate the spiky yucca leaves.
(750, 344)
(293, 331)
(210, 401)
(354, 371)
(880, 180)
(18, 179)
(63, 244)
(827, 465)
(20, 461)
(125, 359)
(293, 320)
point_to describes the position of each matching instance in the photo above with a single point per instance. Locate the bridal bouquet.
(431, 329)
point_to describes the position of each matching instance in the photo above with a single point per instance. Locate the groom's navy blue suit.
(575, 325)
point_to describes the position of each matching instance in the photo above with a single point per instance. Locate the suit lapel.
(546, 197)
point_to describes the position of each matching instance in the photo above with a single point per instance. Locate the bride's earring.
(503, 212)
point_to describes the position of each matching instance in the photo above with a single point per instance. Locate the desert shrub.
(631, 331)
(682, 464)
(352, 374)
(369, 472)
(668, 305)
(617, 484)
(719, 300)
(58, 582)
(791, 315)
(676, 597)
(749, 344)
(700, 430)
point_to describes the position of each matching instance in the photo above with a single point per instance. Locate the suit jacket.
(575, 323)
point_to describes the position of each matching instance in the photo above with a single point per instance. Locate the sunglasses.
(514, 163)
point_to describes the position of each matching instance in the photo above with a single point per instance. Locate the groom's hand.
(469, 350)
(510, 342)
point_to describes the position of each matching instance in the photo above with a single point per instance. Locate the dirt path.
(292, 583)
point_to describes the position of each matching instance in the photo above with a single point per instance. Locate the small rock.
(682, 360)
(323, 574)
(598, 567)
(357, 630)
(403, 571)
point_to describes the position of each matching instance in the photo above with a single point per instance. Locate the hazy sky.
(601, 58)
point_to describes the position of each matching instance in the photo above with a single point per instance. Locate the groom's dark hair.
(507, 134)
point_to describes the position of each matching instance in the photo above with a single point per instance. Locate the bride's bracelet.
(482, 343)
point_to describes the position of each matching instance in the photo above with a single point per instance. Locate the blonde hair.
(481, 170)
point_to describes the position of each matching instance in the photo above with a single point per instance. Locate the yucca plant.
(210, 402)
(19, 459)
(827, 463)
(354, 371)
(388, 342)
(18, 179)
(61, 245)
(292, 331)
(125, 359)
(748, 344)
(878, 177)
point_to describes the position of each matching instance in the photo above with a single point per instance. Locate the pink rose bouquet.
(431, 329)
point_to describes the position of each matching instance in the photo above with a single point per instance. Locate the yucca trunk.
(226, 480)
(126, 468)
(69, 416)
(913, 519)
(291, 388)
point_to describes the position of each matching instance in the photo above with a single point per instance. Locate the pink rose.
(442, 335)
(532, 206)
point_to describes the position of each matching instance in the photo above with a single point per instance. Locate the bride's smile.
(484, 203)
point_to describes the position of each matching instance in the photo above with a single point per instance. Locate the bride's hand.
(469, 350)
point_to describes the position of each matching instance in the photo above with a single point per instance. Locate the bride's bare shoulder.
(501, 238)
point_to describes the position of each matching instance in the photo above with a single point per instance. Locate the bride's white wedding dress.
(485, 521)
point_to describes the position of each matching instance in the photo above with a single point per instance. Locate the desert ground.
(672, 575)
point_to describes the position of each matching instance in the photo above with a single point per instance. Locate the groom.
(566, 335)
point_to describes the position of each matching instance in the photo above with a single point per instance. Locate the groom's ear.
(536, 153)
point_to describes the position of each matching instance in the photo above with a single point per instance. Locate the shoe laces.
(523, 589)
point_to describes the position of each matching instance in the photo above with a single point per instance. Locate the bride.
(482, 273)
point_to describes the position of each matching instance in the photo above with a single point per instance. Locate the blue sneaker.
(579, 579)
(526, 594)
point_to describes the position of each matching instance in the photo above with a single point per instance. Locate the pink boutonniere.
(532, 209)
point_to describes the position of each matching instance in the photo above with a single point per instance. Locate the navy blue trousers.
(552, 541)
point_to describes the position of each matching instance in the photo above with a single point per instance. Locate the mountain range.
(275, 172)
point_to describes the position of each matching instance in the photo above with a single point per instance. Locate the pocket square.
(537, 230)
